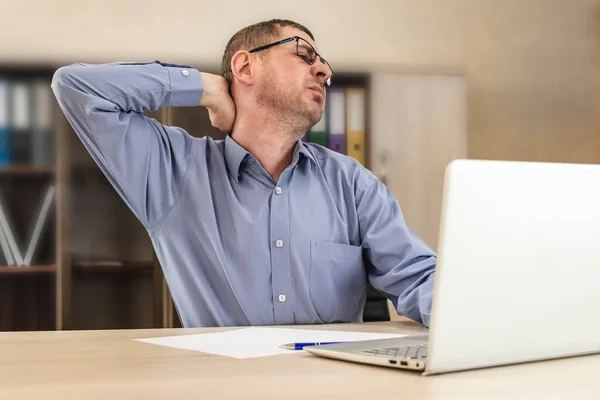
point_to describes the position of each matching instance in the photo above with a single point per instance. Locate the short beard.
(291, 112)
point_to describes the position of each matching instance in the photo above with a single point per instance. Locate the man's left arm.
(402, 266)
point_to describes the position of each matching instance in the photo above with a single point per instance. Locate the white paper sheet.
(259, 341)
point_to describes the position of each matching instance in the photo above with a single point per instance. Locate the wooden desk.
(110, 365)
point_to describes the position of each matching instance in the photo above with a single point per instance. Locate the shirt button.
(185, 72)
(279, 243)
(282, 298)
(278, 190)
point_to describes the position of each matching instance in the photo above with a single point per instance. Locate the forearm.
(124, 87)
(409, 287)
(401, 266)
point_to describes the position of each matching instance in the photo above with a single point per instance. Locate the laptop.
(518, 273)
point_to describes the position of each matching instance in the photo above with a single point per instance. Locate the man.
(260, 228)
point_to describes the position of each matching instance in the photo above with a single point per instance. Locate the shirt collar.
(301, 149)
(236, 154)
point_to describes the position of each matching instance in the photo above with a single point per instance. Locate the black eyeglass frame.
(297, 39)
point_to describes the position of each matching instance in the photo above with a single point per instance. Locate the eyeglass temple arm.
(266, 46)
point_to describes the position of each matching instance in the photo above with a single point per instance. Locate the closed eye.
(304, 57)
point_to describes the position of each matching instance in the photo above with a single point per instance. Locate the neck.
(270, 140)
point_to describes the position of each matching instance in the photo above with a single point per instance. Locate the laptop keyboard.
(410, 351)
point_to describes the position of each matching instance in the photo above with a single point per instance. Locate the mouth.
(318, 89)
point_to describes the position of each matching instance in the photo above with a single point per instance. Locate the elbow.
(64, 78)
(69, 89)
(59, 79)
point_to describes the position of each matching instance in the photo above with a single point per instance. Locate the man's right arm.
(143, 160)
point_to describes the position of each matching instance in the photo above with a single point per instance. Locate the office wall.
(531, 63)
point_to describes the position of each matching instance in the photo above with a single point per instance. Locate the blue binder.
(5, 136)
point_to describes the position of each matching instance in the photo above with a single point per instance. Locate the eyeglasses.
(304, 50)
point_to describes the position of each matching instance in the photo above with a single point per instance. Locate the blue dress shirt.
(236, 247)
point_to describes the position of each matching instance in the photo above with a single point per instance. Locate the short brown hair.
(253, 36)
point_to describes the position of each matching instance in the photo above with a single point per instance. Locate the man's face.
(294, 89)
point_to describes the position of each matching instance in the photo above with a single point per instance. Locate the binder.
(8, 244)
(40, 223)
(337, 119)
(6, 252)
(355, 107)
(42, 133)
(8, 234)
(5, 137)
(21, 123)
(318, 133)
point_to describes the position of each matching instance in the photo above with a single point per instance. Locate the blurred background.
(416, 84)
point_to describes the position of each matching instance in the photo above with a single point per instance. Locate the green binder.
(318, 133)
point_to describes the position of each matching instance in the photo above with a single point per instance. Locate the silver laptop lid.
(519, 264)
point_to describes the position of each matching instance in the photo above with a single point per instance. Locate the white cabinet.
(418, 125)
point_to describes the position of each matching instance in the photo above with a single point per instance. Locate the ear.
(241, 66)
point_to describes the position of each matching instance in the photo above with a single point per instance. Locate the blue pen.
(300, 346)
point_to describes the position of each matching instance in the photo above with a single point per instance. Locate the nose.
(322, 71)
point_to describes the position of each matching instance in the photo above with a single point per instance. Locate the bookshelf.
(95, 267)
(107, 259)
(33, 269)
(27, 173)
(23, 171)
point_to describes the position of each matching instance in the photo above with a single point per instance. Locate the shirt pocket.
(337, 280)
